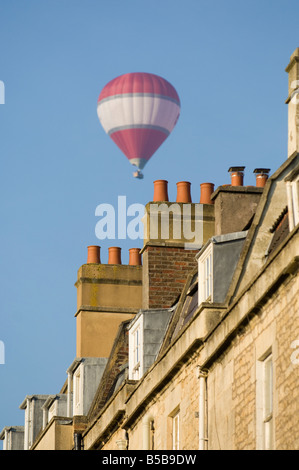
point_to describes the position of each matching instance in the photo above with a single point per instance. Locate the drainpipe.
(78, 441)
(202, 408)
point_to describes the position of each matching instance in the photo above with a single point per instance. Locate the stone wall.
(232, 386)
(287, 367)
(233, 379)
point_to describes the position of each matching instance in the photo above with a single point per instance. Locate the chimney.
(160, 190)
(114, 255)
(235, 204)
(183, 192)
(134, 257)
(206, 191)
(262, 175)
(93, 254)
(293, 103)
(237, 175)
(107, 295)
(173, 234)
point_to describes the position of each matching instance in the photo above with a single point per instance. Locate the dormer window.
(217, 262)
(294, 202)
(146, 333)
(293, 199)
(33, 417)
(55, 405)
(136, 350)
(84, 376)
(78, 392)
(205, 275)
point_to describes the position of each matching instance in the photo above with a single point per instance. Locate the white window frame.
(136, 350)
(293, 202)
(78, 391)
(268, 402)
(265, 427)
(28, 431)
(176, 431)
(205, 275)
(52, 410)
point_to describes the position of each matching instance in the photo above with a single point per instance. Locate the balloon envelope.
(138, 111)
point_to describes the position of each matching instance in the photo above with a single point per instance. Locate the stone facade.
(231, 384)
(178, 396)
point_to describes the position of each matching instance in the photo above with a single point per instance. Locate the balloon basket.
(137, 174)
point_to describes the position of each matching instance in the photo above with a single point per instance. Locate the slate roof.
(115, 372)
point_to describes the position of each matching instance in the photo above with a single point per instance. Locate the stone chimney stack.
(235, 204)
(107, 295)
(293, 103)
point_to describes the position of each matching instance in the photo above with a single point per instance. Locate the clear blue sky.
(226, 59)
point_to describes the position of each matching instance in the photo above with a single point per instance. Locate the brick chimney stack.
(169, 245)
(293, 103)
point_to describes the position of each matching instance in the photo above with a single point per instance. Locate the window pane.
(205, 275)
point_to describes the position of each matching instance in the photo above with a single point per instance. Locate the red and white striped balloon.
(138, 111)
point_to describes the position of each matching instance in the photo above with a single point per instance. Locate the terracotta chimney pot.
(93, 254)
(261, 176)
(114, 255)
(237, 178)
(160, 190)
(237, 175)
(183, 191)
(206, 190)
(134, 257)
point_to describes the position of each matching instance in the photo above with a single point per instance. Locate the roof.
(184, 310)
(115, 371)
(270, 217)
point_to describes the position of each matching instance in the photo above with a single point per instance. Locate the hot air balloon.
(138, 111)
